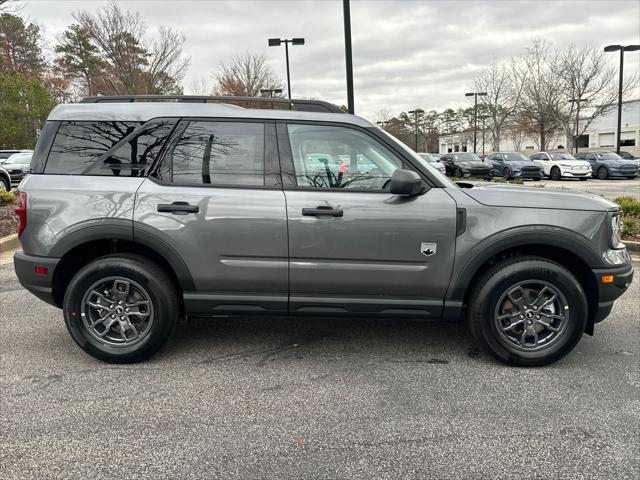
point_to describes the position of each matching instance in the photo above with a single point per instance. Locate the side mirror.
(407, 182)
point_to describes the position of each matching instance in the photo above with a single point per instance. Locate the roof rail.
(247, 102)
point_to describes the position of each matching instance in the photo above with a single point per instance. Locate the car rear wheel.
(457, 172)
(528, 311)
(506, 173)
(5, 185)
(121, 308)
(555, 174)
(603, 174)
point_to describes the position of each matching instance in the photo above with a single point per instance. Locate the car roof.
(144, 111)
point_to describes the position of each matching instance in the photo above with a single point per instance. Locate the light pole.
(346, 13)
(475, 115)
(622, 49)
(415, 113)
(271, 91)
(577, 101)
(276, 42)
(483, 118)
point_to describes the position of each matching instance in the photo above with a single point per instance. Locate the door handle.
(178, 208)
(322, 210)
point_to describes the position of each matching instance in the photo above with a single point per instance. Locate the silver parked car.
(17, 165)
(137, 214)
(433, 160)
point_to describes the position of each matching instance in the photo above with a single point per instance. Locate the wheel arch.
(560, 248)
(76, 252)
(5, 176)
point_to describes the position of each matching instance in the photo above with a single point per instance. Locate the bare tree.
(200, 86)
(540, 94)
(134, 66)
(589, 88)
(383, 115)
(10, 6)
(502, 99)
(245, 75)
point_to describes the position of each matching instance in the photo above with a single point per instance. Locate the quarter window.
(328, 157)
(78, 144)
(217, 153)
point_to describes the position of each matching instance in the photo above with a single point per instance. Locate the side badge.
(428, 249)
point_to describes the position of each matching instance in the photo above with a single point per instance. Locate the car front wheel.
(528, 311)
(5, 185)
(121, 308)
(603, 174)
(555, 174)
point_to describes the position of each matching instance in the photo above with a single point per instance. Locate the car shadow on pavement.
(262, 340)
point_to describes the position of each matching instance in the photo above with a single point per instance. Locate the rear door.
(215, 200)
(354, 247)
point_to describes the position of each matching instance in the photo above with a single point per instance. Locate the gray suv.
(138, 213)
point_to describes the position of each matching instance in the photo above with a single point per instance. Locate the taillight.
(21, 211)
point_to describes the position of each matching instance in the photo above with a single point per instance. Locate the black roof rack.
(247, 102)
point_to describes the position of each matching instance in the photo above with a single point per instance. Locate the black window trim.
(287, 167)
(272, 174)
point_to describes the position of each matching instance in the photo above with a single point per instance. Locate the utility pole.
(475, 116)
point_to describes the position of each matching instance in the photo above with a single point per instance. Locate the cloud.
(406, 53)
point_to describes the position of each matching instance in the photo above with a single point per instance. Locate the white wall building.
(600, 135)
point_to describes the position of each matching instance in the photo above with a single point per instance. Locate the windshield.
(516, 157)
(607, 156)
(465, 157)
(561, 156)
(423, 163)
(18, 158)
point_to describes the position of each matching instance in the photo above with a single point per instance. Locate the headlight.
(616, 230)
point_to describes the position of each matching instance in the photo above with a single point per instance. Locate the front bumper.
(530, 175)
(622, 173)
(484, 174)
(576, 174)
(41, 285)
(609, 292)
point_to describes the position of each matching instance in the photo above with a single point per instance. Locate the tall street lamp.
(577, 101)
(270, 91)
(346, 14)
(475, 115)
(622, 49)
(415, 113)
(276, 42)
(482, 119)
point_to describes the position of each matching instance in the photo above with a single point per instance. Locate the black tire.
(631, 177)
(603, 173)
(5, 185)
(536, 179)
(555, 174)
(506, 173)
(492, 286)
(153, 281)
(583, 178)
(457, 172)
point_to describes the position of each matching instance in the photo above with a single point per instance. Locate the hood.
(531, 197)
(620, 163)
(472, 164)
(522, 163)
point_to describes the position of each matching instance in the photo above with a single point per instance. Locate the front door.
(216, 200)
(354, 247)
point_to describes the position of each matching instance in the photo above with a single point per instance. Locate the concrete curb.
(8, 243)
(631, 245)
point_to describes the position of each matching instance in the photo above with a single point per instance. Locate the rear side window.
(78, 144)
(217, 153)
(136, 153)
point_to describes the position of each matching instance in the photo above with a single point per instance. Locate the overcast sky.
(406, 53)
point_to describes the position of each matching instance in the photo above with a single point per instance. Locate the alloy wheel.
(531, 315)
(117, 311)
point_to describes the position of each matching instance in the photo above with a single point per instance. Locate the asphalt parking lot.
(320, 398)
(610, 189)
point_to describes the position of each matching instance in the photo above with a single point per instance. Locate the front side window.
(328, 157)
(562, 156)
(78, 144)
(217, 153)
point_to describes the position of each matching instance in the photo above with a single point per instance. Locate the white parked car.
(561, 164)
(433, 160)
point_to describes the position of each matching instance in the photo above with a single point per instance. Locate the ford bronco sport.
(137, 213)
